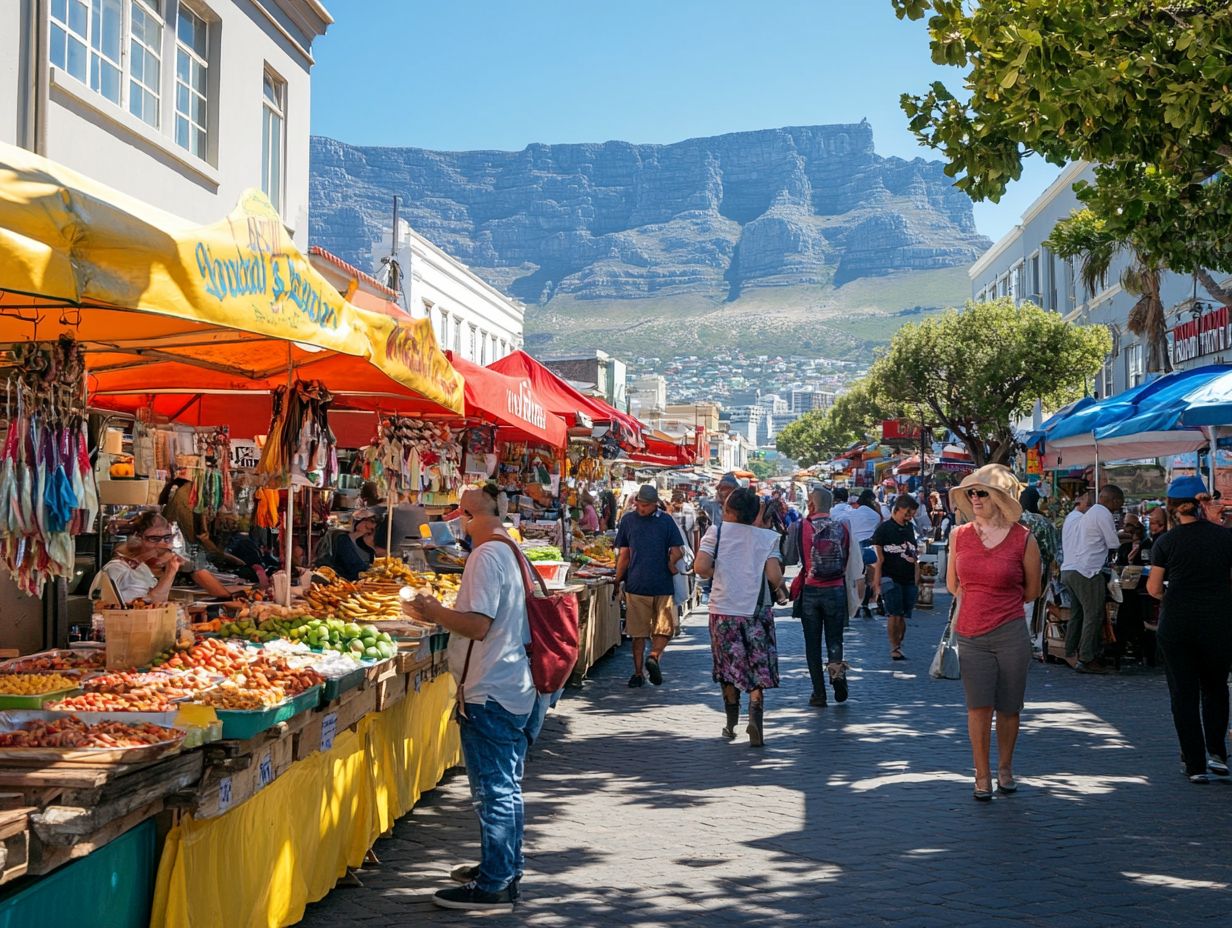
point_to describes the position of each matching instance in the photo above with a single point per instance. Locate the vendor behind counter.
(145, 567)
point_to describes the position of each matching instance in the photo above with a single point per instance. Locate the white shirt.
(1069, 536)
(863, 521)
(499, 667)
(130, 582)
(839, 509)
(743, 552)
(1093, 535)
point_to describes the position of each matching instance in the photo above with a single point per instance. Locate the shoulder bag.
(945, 664)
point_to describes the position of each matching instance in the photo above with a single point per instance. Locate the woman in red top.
(994, 567)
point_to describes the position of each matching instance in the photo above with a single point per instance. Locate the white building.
(181, 103)
(470, 317)
(803, 401)
(1020, 266)
(648, 396)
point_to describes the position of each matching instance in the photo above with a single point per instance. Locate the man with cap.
(648, 546)
(713, 508)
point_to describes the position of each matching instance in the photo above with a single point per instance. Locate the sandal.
(982, 794)
(1006, 783)
(897, 655)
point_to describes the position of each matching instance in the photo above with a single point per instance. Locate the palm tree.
(1083, 235)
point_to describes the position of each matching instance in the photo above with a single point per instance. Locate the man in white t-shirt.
(841, 506)
(497, 702)
(1086, 545)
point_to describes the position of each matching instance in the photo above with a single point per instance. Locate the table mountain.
(808, 206)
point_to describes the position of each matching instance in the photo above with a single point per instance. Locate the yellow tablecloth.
(259, 865)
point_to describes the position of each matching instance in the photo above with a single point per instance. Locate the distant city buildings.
(594, 371)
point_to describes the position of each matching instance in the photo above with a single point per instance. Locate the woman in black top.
(353, 552)
(1195, 628)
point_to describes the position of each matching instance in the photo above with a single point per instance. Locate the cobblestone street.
(859, 814)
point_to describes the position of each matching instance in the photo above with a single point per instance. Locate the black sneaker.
(471, 897)
(636, 680)
(1217, 766)
(469, 873)
(654, 671)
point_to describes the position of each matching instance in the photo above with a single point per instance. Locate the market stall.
(339, 709)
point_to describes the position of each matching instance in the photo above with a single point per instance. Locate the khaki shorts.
(647, 616)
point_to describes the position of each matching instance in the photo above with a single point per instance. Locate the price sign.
(329, 728)
(265, 772)
(224, 794)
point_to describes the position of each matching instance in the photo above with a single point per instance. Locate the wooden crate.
(14, 844)
(392, 691)
(47, 857)
(332, 719)
(231, 779)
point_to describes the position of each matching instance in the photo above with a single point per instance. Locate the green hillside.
(844, 323)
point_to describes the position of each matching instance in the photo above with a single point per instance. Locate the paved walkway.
(854, 815)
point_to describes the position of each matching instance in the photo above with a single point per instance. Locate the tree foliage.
(1140, 88)
(975, 371)
(821, 434)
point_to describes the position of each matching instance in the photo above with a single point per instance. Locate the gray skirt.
(994, 667)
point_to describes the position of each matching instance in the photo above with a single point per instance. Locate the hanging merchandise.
(300, 443)
(413, 456)
(215, 492)
(267, 507)
(47, 488)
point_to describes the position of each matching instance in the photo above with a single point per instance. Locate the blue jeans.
(494, 744)
(824, 609)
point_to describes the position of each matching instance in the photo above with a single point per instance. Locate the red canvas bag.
(553, 627)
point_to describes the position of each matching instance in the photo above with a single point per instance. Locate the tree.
(1085, 236)
(1140, 88)
(819, 434)
(976, 370)
(762, 469)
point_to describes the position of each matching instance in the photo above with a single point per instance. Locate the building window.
(1034, 283)
(145, 60)
(192, 82)
(470, 343)
(442, 335)
(1135, 370)
(273, 137)
(457, 335)
(1107, 380)
(87, 41)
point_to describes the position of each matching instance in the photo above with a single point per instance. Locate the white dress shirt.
(1086, 544)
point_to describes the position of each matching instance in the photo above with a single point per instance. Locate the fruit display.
(34, 684)
(134, 701)
(388, 568)
(543, 553)
(365, 641)
(211, 654)
(171, 685)
(275, 673)
(72, 732)
(443, 586)
(231, 695)
(599, 552)
(325, 599)
(59, 662)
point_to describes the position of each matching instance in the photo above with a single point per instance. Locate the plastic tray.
(17, 664)
(439, 641)
(141, 754)
(336, 686)
(36, 701)
(165, 719)
(244, 723)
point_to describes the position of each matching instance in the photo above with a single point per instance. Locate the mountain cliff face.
(811, 205)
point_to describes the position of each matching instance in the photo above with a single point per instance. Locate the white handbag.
(945, 665)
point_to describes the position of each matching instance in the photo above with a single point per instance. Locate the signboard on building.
(1210, 333)
(898, 430)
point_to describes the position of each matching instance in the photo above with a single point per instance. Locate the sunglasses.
(159, 539)
(982, 494)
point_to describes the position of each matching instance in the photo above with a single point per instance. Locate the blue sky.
(503, 73)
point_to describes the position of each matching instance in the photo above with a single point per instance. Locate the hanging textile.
(48, 492)
(300, 443)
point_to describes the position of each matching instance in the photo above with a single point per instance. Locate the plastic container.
(336, 686)
(554, 573)
(37, 701)
(244, 723)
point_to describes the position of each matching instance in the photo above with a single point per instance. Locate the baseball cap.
(646, 493)
(1186, 488)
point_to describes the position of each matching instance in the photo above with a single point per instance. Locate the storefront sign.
(898, 430)
(410, 355)
(1208, 334)
(1034, 464)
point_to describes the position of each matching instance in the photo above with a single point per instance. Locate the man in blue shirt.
(648, 546)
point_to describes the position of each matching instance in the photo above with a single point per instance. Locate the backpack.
(827, 556)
